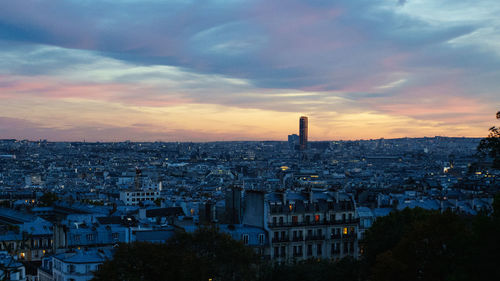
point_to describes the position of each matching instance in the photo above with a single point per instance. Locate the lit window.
(290, 207)
(345, 231)
(316, 217)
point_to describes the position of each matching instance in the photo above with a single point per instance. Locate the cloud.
(409, 60)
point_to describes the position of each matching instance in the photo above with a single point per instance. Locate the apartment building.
(306, 225)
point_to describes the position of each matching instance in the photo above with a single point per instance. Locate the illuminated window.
(22, 255)
(290, 207)
(316, 218)
(345, 231)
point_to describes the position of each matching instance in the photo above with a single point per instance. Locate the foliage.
(48, 199)
(412, 244)
(314, 270)
(199, 256)
(428, 245)
(158, 201)
(491, 146)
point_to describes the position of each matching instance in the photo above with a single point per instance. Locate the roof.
(82, 256)
(154, 235)
(165, 212)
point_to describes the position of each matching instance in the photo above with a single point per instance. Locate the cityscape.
(249, 140)
(288, 201)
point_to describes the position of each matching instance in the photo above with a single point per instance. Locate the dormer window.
(245, 239)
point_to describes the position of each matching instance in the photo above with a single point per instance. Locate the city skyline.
(247, 70)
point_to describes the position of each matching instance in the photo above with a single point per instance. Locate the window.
(308, 218)
(261, 239)
(309, 250)
(274, 220)
(276, 235)
(320, 232)
(276, 251)
(316, 218)
(90, 237)
(319, 250)
(295, 219)
(116, 235)
(345, 231)
(245, 239)
(283, 251)
(77, 237)
(300, 234)
(71, 268)
(282, 235)
(281, 220)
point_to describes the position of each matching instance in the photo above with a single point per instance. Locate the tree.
(205, 254)
(48, 199)
(491, 145)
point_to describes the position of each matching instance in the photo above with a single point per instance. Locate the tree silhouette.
(206, 254)
(491, 145)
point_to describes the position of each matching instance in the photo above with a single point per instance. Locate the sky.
(215, 70)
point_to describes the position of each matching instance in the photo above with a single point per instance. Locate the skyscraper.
(303, 132)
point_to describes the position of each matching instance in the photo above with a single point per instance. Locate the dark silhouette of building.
(303, 128)
(293, 142)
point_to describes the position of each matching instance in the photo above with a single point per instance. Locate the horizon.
(243, 70)
(219, 141)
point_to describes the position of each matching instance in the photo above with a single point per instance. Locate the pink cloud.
(48, 87)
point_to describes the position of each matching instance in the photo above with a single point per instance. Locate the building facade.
(78, 265)
(311, 225)
(303, 132)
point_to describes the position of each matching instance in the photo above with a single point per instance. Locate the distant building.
(78, 265)
(293, 141)
(10, 268)
(303, 131)
(135, 196)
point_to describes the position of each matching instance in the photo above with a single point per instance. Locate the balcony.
(298, 255)
(350, 236)
(280, 239)
(315, 223)
(335, 236)
(347, 221)
(297, 239)
(336, 252)
(315, 237)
